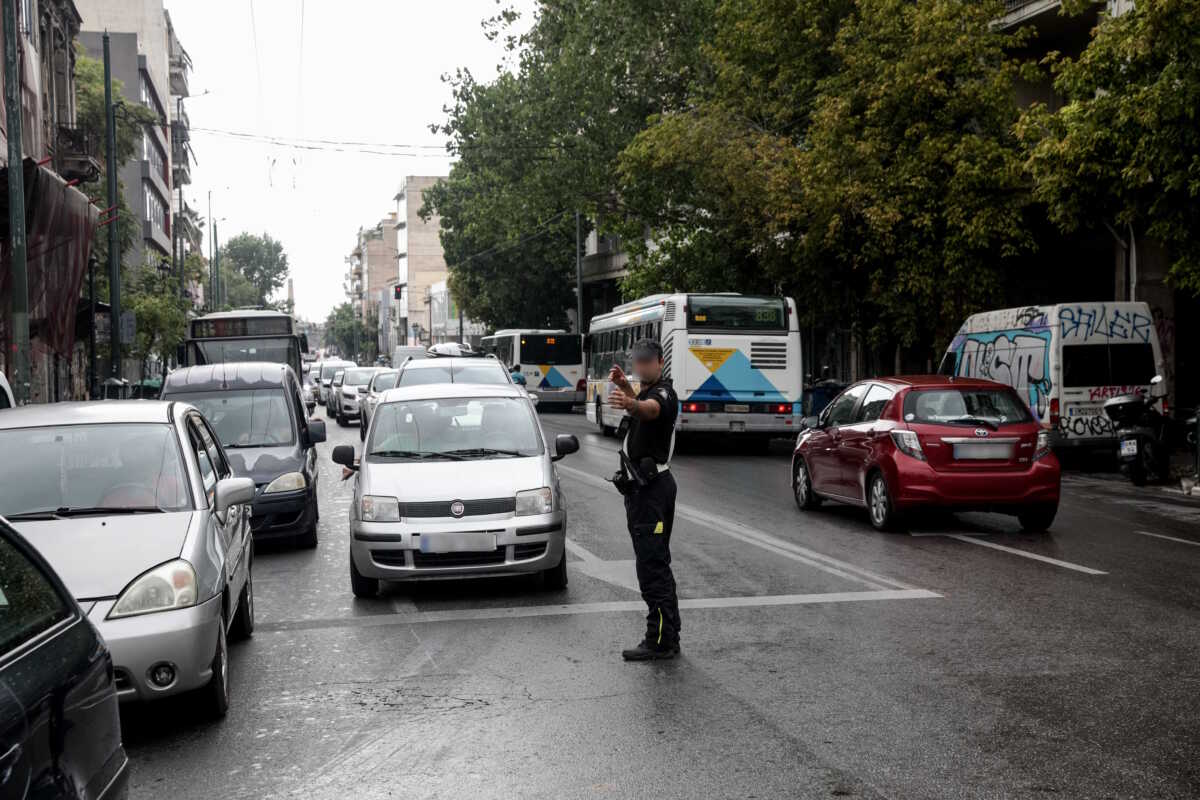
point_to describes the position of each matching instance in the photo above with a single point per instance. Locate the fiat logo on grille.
(457, 508)
(981, 432)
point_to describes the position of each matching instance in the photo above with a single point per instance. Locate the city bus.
(245, 335)
(551, 361)
(733, 359)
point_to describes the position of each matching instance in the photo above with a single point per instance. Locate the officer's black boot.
(649, 651)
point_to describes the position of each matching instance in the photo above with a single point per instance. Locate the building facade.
(421, 262)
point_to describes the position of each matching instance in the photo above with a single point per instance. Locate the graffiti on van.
(1083, 323)
(1019, 357)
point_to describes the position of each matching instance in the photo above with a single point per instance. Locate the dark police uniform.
(650, 513)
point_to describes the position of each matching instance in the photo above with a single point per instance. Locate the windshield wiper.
(415, 454)
(105, 510)
(237, 445)
(486, 451)
(974, 421)
(34, 515)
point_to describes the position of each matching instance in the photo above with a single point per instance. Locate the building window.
(156, 209)
(154, 154)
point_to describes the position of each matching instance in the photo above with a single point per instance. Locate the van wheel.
(1037, 519)
(361, 585)
(879, 503)
(806, 499)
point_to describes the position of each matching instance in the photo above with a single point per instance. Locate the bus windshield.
(553, 348)
(282, 350)
(737, 312)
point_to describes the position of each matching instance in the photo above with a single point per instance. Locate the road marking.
(621, 573)
(575, 609)
(1168, 538)
(766, 541)
(1046, 559)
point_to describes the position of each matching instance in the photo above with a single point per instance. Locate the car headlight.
(535, 501)
(166, 587)
(287, 482)
(377, 508)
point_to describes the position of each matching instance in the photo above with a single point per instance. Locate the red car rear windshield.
(965, 406)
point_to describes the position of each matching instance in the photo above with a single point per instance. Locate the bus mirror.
(180, 353)
(304, 343)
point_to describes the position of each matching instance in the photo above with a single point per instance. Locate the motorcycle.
(1142, 433)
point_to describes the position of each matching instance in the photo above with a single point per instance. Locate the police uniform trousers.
(650, 514)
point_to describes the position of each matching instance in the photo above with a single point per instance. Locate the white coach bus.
(733, 359)
(551, 362)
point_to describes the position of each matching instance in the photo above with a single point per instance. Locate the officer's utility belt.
(634, 476)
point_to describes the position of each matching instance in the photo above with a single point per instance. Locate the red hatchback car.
(896, 444)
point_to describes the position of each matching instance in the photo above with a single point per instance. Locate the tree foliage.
(345, 331)
(1125, 147)
(256, 267)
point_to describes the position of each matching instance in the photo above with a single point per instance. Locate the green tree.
(260, 261)
(1125, 147)
(160, 315)
(345, 331)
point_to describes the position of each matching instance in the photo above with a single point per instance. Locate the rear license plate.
(461, 542)
(737, 427)
(1129, 447)
(1084, 411)
(737, 408)
(973, 451)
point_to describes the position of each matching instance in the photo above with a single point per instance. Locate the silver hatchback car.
(457, 480)
(135, 506)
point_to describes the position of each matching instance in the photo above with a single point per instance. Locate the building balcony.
(179, 65)
(182, 171)
(1055, 30)
(76, 154)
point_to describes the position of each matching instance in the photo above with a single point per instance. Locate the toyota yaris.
(899, 444)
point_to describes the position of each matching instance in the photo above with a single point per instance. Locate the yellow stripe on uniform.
(659, 527)
(659, 621)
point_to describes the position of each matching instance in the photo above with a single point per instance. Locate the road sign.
(128, 327)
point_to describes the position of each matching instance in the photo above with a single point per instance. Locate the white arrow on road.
(619, 573)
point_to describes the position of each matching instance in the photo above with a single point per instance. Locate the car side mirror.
(362, 390)
(533, 398)
(344, 454)
(1156, 380)
(810, 422)
(316, 431)
(564, 445)
(232, 492)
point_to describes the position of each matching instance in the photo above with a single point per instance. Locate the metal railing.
(1015, 5)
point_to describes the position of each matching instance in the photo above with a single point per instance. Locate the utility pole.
(19, 301)
(177, 145)
(114, 244)
(212, 273)
(93, 384)
(578, 277)
(216, 245)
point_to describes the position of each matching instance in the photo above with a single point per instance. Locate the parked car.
(452, 369)
(353, 386)
(898, 444)
(60, 728)
(329, 368)
(383, 380)
(456, 480)
(258, 413)
(6, 395)
(136, 507)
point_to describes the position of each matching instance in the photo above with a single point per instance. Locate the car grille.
(441, 508)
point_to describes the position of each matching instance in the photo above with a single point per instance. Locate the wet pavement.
(820, 658)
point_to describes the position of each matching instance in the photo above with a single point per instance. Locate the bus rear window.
(734, 312)
(554, 348)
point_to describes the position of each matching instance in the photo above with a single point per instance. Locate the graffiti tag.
(1017, 358)
(1098, 321)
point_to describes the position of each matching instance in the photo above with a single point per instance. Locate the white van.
(1065, 359)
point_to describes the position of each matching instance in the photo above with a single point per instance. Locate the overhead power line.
(500, 248)
(379, 148)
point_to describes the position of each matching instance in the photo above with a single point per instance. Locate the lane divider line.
(1025, 554)
(766, 541)
(1192, 542)
(575, 609)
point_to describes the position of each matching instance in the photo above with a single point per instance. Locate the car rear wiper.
(974, 421)
(415, 454)
(35, 515)
(486, 451)
(105, 510)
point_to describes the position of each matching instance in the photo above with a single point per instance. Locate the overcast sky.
(363, 71)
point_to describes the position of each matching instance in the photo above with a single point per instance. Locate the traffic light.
(398, 291)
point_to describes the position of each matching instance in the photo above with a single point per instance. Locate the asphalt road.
(820, 659)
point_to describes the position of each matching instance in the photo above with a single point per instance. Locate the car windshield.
(74, 467)
(477, 427)
(965, 406)
(245, 417)
(358, 377)
(384, 381)
(489, 372)
(329, 370)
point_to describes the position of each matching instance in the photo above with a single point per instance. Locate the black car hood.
(265, 464)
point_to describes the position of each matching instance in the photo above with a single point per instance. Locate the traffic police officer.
(649, 491)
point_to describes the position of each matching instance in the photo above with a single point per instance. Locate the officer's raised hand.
(617, 377)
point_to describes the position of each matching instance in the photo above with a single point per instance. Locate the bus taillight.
(693, 408)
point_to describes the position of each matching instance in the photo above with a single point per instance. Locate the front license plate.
(464, 542)
(1129, 447)
(737, 408)
(982, 452)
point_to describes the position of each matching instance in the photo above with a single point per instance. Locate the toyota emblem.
(981, 432)
(457, 508)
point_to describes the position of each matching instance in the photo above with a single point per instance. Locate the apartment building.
(421, 262)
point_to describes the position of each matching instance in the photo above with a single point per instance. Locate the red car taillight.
(581, 385)
(908, 443)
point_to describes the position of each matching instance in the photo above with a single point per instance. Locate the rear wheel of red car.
(1037, 519)
(802, 489)
(879, 503)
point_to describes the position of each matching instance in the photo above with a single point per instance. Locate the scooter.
(1142, 431)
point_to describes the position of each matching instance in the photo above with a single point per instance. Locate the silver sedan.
(134, 504)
